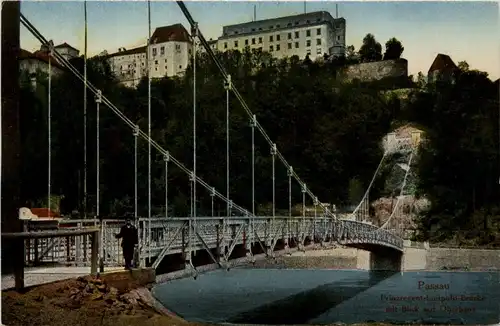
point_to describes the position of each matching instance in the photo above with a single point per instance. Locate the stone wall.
(371, 71)
(417, 256)
(440, 258)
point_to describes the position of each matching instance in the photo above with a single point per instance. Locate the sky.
(467, 31)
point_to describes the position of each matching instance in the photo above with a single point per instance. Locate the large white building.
(313, 34)
(170, 51)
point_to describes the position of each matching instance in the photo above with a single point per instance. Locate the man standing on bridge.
(128, 234)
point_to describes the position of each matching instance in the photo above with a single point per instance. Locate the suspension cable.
(237, 94)
(49, 123)
(26, 23)
(166, 158)
(370, 184)
(85, 114)
(227, 87)
(98, 149)
(401, 191)
(136, 134)
(148, 63)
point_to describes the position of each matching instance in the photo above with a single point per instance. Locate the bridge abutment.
(386, 260)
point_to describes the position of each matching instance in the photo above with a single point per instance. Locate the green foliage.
(463, 66)
(458, 164)
(329, 137)
(393, 49)
(356, 191)
(371, 50)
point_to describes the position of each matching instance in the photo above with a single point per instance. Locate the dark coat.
(129, 236)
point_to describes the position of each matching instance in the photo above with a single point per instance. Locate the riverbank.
(83, 301)
(88, 301)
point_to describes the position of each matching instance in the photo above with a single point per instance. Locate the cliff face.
(400, 142)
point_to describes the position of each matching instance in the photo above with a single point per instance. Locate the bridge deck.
(43, 275)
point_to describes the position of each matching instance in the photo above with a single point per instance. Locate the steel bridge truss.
(218, 236)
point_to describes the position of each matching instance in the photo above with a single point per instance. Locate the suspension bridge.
(240, 227)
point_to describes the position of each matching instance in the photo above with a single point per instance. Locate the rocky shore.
(84, 301)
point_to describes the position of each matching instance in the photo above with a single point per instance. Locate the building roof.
(171, 33)
(140, 49)
(44, 212)
(40, 56)
(282, 23)
(442, 63)
(65, 45)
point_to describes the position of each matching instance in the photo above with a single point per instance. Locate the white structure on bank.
(313, 34)
(38, 61)
(170, 51)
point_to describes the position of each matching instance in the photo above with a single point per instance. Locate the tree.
(393, 49)
(313, 127)
(458, 163)
(350, 52)
(463, 66)
(421, 80)
(371, 50)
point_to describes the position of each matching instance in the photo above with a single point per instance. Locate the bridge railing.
(163, 236)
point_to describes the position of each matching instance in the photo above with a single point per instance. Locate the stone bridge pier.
(386, 259)
(379, 258)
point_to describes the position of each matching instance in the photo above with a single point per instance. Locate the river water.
(298, 296)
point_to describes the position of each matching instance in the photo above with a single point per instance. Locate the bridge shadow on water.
(307, 305)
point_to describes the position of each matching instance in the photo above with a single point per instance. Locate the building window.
(308, 33)
(154, 52)
(289, 24)
(260, 40)
(318, 31)
(296, 23)
(278, 26)
(271, 27)
(308, 43)
(277, 47)
(180, 67)
(156, 62)
(253, 41)
(225, 45)
(165, 60)
(270, 48)
(162, 50)
(246, 42)
(296, 45)
(253, 29)
(296, 34)
(318, 51)
(338, 38)
(178, 47)
(308, 51)
(260, 48)
(289, 45)
(270, 38)
(165, 67)
(235, 44)
(318, 41)
(278, 38)
(289, 36)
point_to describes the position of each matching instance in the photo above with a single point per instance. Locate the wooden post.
(68, 249)
(94, 252)
(19, 266)
(10, 141)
